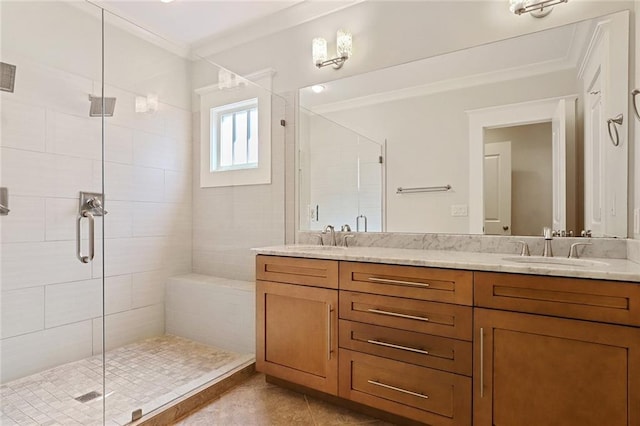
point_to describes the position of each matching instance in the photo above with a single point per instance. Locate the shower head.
(96, 106)
(7, 77)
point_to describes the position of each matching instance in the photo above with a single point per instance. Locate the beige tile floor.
(257, 403)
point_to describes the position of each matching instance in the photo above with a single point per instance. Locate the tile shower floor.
(145, 374)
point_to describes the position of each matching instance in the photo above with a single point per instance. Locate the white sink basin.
(555, 261)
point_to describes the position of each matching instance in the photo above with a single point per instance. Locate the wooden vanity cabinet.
(402, 349)
(451, 347)
(548, 370)
(297, 321)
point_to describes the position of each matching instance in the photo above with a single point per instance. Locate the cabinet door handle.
(329, 331)
(373, 382)
(481, 362)
(397, 282)
(395, 314)
(404, 348)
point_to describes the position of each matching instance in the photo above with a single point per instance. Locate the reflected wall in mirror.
(420, 114)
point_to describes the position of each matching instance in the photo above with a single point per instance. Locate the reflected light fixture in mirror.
(537, 8)
(318, 88)
(344, 49)
(147, 104)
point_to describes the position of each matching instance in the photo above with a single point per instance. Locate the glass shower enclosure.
(95, 215)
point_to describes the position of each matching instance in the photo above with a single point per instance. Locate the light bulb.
(318, 88)
(344, 44)
(319, 50)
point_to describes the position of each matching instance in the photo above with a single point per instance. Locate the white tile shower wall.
(216, 311)
(229, 221)
(49, 151)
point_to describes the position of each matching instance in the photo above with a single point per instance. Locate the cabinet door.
(297, 334)
(537, 370)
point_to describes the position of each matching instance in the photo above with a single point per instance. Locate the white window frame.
(213, 97)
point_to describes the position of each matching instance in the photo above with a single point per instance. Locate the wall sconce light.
(147, 103)
(344, 49)
(537, 8)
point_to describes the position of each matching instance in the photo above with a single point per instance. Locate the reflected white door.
(559, 161)
(497, 188)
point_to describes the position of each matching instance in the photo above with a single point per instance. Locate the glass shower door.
(51, 156)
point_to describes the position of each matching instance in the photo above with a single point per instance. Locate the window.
(234, 136)
(235, 133)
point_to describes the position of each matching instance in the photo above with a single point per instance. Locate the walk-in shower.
(97, 323)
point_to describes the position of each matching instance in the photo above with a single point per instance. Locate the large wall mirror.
(503, 138)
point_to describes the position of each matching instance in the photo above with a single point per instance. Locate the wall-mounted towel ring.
(633, 101)
(614, 121)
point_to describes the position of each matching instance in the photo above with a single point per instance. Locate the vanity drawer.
(423, 394)
(606, 301)
(439, 285)
(441, 319)
(415, 348)
(293, 270)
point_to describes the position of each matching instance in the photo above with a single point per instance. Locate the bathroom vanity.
(454, 338)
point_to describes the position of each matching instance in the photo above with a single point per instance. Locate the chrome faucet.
(546, 251)
(573, 250)
(332, 230)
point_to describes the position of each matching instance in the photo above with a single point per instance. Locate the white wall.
(50, 150)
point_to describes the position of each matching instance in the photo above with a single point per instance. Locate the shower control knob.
(94, 203)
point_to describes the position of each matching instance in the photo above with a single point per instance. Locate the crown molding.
(445, 86)
(127, 24)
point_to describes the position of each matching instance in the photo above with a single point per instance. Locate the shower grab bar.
(89, 216)
(442, 188)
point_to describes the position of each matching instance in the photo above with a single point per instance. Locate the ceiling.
(189, 21)
(208, 26)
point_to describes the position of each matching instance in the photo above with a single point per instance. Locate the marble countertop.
(596, 268)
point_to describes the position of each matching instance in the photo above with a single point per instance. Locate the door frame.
(516, 114)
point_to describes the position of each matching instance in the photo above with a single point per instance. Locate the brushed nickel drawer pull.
(395, 314)
(404, 348)
(398, 389)
(329, 310)
(398, 282)
(481, 362)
